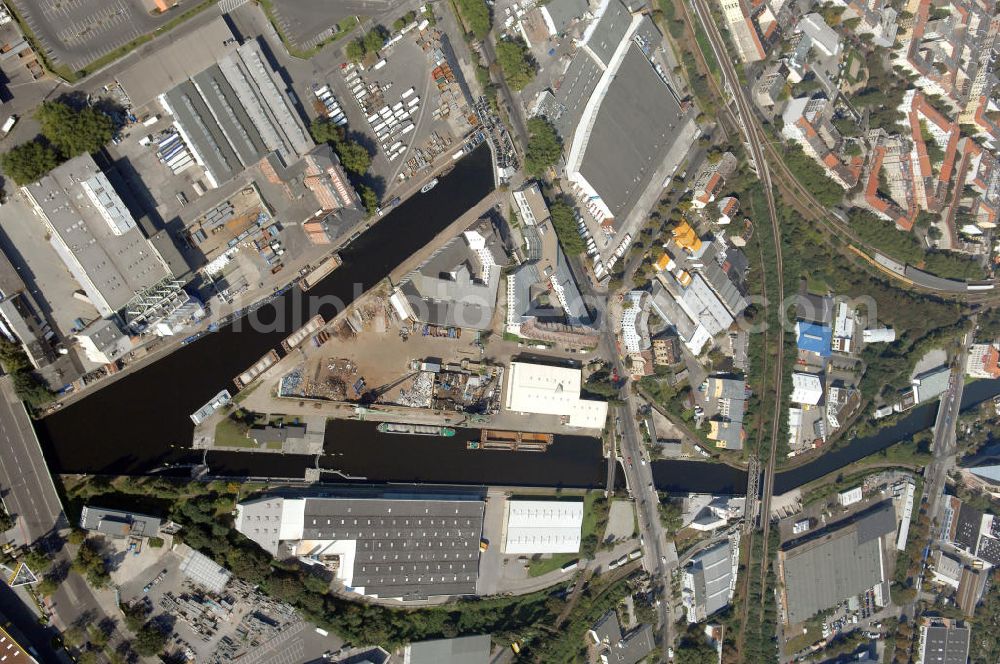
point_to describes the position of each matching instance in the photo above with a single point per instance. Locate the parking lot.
(74, 34)
(241, 623)
(411, 105)
(308, 22)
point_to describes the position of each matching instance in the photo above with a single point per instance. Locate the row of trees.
(66, 131)
(28, 385)
(544, 147)
(516, 63)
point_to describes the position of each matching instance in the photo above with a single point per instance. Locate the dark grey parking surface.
(305, 22)
(74, 33)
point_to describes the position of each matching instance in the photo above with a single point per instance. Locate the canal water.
(704, 477)
(141, 422)
(356, 449)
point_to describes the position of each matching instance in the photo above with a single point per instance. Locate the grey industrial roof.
(449, 288)
(116, 523)
(576, 310)
(117, 266)
(607, 628)
(731, 388)
(815, 308)
(946, 645)
(876, 521)
(609, 31)
(989, 550)
(623, 648)
(933, 383)
(635, 646)
(235, 111)
(463, 650)
(668, 309)
(638, 122)
(564, 12)
(578, 84)
(712, 571)
(967, 527)
(730, 294)
(273, 434)
(828, 569)
(104, 334)
(440, 537)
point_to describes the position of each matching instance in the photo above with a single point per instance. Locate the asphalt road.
(30, 496)
(27, 487)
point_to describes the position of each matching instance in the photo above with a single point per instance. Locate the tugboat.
(430, 185)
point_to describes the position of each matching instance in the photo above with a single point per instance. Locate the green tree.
(90, 563)
(355, 50)
(353, 156)
(38, 561)
(375, 39)
(150, 640)
(476, 16)
(515, 61)
(6, 520)
(28, 162)
(564, 221)
(47, 586)
(369, 198)
(544, 147)
(76, 536)
(74, 131)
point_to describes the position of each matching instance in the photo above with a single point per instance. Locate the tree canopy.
(544, 147)
(515, 61)
(66, 133)
(28, 162)
(476, 15)
(74, 131)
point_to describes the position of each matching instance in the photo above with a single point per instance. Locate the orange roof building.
(686, 238)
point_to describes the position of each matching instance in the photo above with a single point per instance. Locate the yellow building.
(686, 237)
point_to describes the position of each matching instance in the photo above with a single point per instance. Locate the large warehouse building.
(542, 526)
(234, 112)
(622, 121)
(837, 564)
(541, 389)
(383, 545)
(95, 235)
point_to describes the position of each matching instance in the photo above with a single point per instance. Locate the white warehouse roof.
(806, 388)
(544, 390)
(543, 526)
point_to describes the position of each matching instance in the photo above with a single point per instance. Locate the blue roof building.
(814, 338)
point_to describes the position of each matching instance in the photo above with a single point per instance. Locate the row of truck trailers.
(390, 123)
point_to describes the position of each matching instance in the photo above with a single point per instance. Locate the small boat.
(415, 429)
(430, 185)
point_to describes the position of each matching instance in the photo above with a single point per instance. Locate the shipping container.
(409, 92)
(407, 129)
(413, 102)
(322, 91)
(373, 118)
(378, 65)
